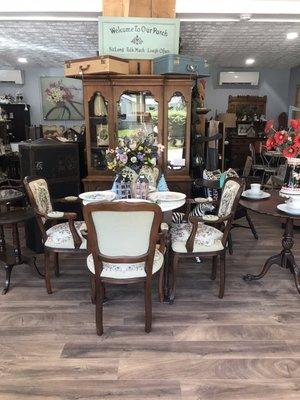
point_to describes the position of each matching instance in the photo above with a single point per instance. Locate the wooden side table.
(11, 256)
(285, 258)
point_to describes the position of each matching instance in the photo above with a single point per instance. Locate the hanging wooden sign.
(138, 38)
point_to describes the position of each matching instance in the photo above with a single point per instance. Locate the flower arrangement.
(286, 141)
(134, 152)
(57, 93)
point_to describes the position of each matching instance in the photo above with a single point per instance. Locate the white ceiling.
(216, 34)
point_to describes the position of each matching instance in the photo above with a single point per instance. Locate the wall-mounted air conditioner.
(239, 78)
(11, 76)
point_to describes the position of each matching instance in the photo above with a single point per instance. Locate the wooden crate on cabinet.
(116, 106)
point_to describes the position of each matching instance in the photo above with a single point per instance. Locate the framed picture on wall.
(242, 129)
(62, 98)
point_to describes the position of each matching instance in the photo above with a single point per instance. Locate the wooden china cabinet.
(121, 105)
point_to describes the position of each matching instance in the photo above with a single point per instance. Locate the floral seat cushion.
(126, 271)
(207, 238)
(60, 236)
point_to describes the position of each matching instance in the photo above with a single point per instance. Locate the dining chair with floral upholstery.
(122, 239)
(64, 237)
(207, 235)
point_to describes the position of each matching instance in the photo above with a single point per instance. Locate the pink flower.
(270, 143)
(290, 152)
(269, 126)
(280, 137)
(297, 141)
(295, 124)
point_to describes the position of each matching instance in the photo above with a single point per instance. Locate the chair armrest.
(71, 217)
(56, 215)
(67, 199)
(209, 219)
(195, 221)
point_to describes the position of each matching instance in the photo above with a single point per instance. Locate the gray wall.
(294, 82)
(273, 83)
(32, 93)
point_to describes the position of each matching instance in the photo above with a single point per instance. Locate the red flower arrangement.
(288, 142)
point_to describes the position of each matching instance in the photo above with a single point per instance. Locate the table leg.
(284, 259)
(2, 240)
(8, 269)
(167, 270)
(16, 243)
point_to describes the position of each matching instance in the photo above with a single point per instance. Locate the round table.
(285, 258)
(11, 256)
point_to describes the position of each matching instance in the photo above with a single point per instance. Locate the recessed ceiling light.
(236, 76)
(22, 60)
(245, 17)
(250, 61)
(292, 35)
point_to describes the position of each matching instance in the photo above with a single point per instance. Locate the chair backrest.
(230, 197)
(247, 166)
(123, 232)
(38, 194)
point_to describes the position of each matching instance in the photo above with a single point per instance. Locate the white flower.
(133, 160)
(132, 145)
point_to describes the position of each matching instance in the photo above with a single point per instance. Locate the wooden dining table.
(285, 257)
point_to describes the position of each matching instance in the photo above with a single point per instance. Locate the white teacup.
(255, 188)
(293, 203)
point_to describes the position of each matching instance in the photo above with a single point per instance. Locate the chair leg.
(222, 275)
(47, 271)
(252, 227)
(214, 268)
(148, 306)
(56, 265)
(175, 260)
(230, 244)
(99, 308)
(161, 284)
(93, 289)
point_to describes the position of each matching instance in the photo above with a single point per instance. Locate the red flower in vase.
(295, 124)
(270, 143)
(269, 126)
(290, 152)
(297, 141)
(280, 137)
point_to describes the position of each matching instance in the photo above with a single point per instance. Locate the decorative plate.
(259, 196)
(106, 195)
(286, 209)
(166, 196)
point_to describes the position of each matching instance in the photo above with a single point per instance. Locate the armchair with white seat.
(64, 237)
(122, 240)
(207, 235)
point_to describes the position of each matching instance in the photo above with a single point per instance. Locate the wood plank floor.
(244, 347)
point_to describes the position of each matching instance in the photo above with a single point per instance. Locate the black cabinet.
(18, 117)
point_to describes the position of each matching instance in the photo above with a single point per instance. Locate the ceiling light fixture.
(236, 76)
(22, 60)
(245, 17)
(250, 61)
(292, 35)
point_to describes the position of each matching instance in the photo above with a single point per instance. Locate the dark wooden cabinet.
(57, 162)
(237, 150)
(18, 118)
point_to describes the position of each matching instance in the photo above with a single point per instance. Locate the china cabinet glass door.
(137, 112)
(177, 124)
(99, 130)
